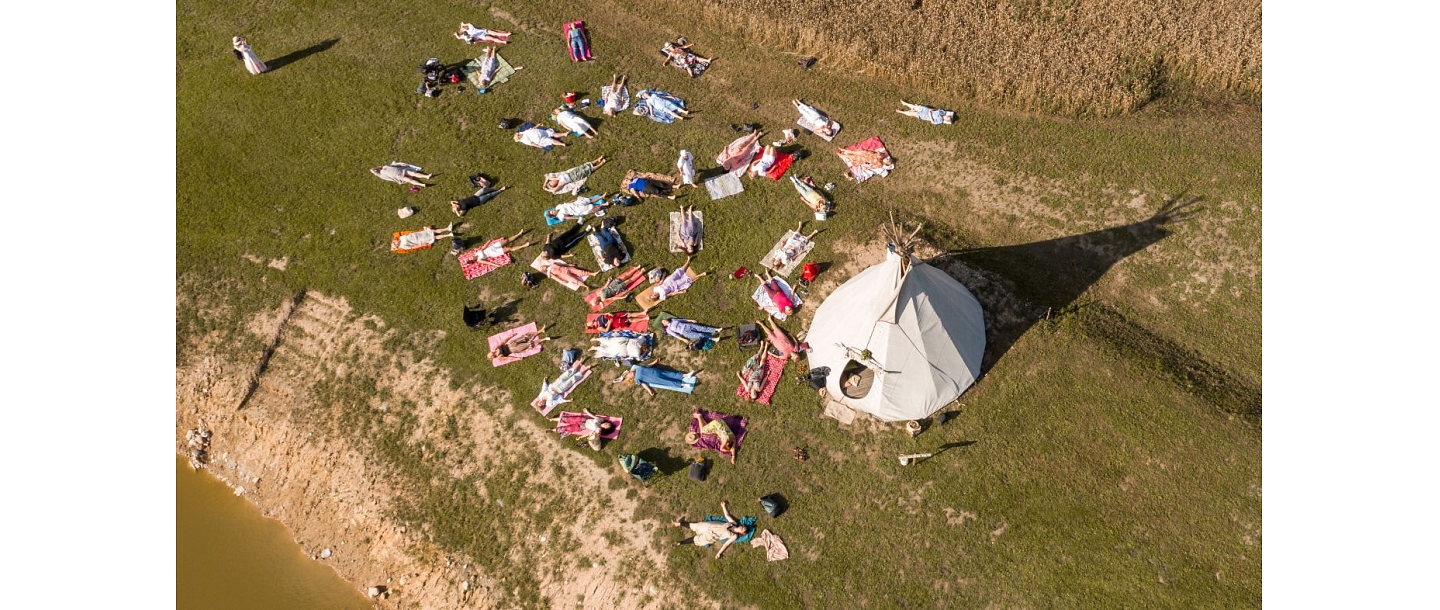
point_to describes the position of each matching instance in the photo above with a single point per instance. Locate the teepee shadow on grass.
(1021, 285)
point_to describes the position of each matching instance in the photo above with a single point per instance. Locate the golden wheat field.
(1100, 57)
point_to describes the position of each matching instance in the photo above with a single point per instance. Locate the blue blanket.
(658, 105)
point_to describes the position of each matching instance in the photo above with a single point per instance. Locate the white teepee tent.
(902, 340)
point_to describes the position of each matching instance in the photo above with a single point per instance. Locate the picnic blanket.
(546, 401)
(647, 299)
(739, 153)
(405, 242)
(725, 185)
(709, 441)
(496, 340)
(762, 298)
(503, 71)
(675, 231)
(660, 106)
(774, 370)
(541, 265)
(474, 264)
(600, 256)
(619, 320)
(633, 278)
(867, 158)
(784, 257)
(774, 547)
(747, 521)
(624, 97)
(570, 423)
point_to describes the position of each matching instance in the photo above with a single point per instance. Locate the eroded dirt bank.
(303, 451)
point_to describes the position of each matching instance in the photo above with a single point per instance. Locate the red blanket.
(774, 369)
(620, 320)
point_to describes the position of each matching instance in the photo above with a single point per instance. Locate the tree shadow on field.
(1044, 278)
(294, 56)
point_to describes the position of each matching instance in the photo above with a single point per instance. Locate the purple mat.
(709, 441)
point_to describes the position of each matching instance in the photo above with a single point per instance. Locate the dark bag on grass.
(772, 505)
(699, 469)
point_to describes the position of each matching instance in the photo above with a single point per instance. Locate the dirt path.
(335, 493)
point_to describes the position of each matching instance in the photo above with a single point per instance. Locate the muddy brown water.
(228, 556)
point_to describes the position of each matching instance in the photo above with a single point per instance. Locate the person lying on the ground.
(473, 35)
(611, 251)
(752, 374)
(677, 282)
(606, 322)
(573, 179)
(762, 164)
(518, 344)
(812, 196)
(539, 137)
(707, 533)
(401, 173)
(777, 295)
(615, 97)
(406, 241)
(716, 427)
(463, 205)
(815, 120)
(566, 273)
(558, 246)
(553, 394)
(686, 165)
(589, 427)
(649, 186)
(623, 346)
(489, 67)
(578, 209)
(689, 231)
(651, 377)
(501, 247)
(573, 122)
(678, 54)
(689, 331)
(660, 106)
(782, 344)
(926, 113)
(793, 248)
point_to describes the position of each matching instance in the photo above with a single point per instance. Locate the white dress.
(252, 61)
(686, 165)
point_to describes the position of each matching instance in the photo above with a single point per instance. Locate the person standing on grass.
(247, 55)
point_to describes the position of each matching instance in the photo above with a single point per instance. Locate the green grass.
(1115, 485)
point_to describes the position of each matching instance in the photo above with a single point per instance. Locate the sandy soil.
(334, 496)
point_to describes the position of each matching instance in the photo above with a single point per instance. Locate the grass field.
(1114, 445)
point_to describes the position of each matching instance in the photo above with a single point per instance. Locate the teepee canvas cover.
(924, 333)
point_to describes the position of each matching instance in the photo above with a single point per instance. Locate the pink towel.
(496, 340)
